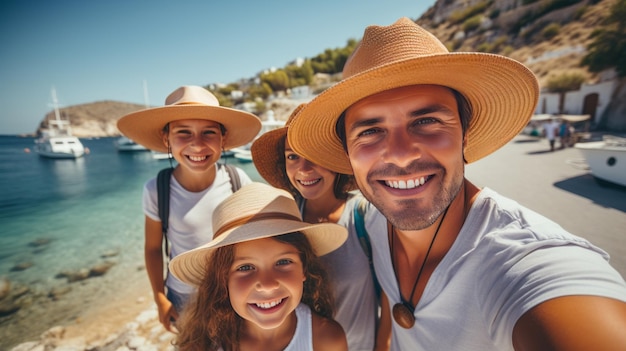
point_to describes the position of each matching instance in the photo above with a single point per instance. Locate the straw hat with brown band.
(502, 92)
(189, 102)
(255, 211)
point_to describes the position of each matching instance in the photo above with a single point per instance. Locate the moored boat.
(243, 154)
(125, 144)
(606, 158)
(57, 141)
(160, 155)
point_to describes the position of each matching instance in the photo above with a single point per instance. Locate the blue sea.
(59, 216)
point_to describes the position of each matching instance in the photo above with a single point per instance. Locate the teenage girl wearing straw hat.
(194, 129)
(323, 196)
(463, 268)
(261, 285)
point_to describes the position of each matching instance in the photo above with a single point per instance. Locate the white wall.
(574, 100)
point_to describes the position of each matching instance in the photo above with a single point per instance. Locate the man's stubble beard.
(412, 216)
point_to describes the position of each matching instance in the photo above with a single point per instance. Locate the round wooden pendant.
(403, 315)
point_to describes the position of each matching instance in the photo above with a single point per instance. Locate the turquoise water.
(85, 212)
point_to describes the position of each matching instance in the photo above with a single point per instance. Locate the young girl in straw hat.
(194, 130)
(260, 283)
(324, 196)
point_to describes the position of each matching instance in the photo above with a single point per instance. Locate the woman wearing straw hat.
(463, 268)
(194, 129)
(261, 285)
(323, 196)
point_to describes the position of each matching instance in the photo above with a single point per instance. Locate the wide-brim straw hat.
(253, 212)
(189, 102)
(268, 157)
(502, 92)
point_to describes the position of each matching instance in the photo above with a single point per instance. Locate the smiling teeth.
(410, 184)
(266, 305)
(309, 182)
(197, 158)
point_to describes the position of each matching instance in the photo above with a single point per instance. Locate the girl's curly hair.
(209, 322)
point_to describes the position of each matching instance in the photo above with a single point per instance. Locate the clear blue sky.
(104, 50)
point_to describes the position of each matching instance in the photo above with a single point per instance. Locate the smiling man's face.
(406, 150)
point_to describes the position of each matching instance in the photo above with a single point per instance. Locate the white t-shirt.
(190, 219)
(551, 129)
(505, 260)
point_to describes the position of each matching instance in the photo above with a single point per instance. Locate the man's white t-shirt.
(506, 260)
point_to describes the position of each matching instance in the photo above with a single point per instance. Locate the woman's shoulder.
(328, 334)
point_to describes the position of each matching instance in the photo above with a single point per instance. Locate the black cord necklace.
(403, 312)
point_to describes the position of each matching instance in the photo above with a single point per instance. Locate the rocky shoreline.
(143, 333)
(105, 305)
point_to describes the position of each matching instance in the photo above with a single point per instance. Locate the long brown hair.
(209, 322)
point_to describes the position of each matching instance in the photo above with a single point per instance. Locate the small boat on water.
(243, 153)
(228, 153)
(57, 141)
(126, 144)
(160, 155)
(606, 158)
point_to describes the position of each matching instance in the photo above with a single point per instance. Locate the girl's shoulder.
(328, 334)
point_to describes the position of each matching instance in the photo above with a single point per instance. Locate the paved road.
(548, 183)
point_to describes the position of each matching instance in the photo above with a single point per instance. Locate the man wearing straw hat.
(463, 268)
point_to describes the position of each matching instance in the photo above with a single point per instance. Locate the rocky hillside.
(99, 119)
(549, 36)
(96, 119)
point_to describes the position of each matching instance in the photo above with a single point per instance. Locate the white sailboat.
(57, 141)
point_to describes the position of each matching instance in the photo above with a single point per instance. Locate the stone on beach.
(21, 266)
(11, 297)
(5, 287)
(84, 273)
(40, 242)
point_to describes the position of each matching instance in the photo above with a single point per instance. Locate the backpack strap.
(163, 200)
(235, 182)
(364, 239)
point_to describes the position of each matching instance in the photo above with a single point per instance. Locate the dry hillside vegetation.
(574, 24)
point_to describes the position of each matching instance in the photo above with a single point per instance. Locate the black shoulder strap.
(163, 197)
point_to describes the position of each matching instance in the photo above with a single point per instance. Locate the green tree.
(277, 80)
(563, 83)
(608, 49)
(262, 91)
